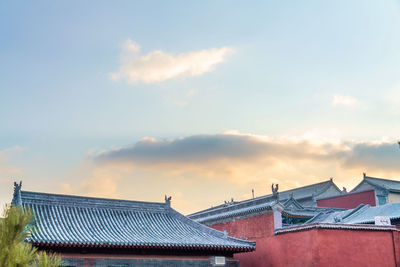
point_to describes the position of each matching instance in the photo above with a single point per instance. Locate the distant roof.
(390, 185)
(64, 220)
(260, 204)
(363, 214)
(294, 209)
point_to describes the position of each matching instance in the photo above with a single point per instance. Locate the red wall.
(253, 227)
(357, 248)
(349, 201)
(314, 247)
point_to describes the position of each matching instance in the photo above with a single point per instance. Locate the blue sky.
(81, 80)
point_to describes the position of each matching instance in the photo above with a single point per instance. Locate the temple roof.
(390, 185)
(363, 214)
(263, 204)
(64, 220)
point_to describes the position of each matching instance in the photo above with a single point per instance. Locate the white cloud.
(342, 100)
(158, 66)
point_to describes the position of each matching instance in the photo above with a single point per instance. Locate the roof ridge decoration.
(168, 201)
(17, 200)
(275, 193)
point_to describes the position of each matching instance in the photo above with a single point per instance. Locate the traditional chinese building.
(291, 233)
(305, 196)
(371, 191)
(109, 232)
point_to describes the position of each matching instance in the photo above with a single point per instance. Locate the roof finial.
(168, 201)
(252, 192)
(275, 190)
(17, 201)
(364, 174)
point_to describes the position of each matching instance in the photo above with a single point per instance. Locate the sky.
(202, 101)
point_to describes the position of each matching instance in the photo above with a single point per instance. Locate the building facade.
(289, 233)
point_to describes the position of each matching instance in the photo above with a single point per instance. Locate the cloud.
(382, 155)
(341, 100)
(235, 148)
(204, 170)
(158, 66)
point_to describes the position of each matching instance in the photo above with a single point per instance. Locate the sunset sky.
(200, 100)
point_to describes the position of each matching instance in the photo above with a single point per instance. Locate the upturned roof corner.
(17, 200)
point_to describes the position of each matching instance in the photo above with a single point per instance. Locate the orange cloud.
(208, 169)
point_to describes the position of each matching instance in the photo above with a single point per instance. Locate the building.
(332, 237)
(109, 232)
(349, 200)
(305, 196)
(371, 191)
(363, 214)
(386, 191)
(289, 233)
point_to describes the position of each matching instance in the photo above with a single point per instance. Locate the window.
(218, 260)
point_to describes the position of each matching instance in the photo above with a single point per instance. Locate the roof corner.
(17, 200)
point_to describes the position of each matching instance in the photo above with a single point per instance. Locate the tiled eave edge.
(297, 215)
(231, 217)
(335, 226)
(144, 246)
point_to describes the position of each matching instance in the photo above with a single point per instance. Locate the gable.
(331, 191)
(363, 186)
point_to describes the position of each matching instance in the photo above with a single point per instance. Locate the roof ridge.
(89, 197)
(222, 206)
(310, 185)
(356, 211)
(373, 183)
(384, 179)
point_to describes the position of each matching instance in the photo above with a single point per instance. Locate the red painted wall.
(253, 227)
(349, 201)
(357, 248)
(314, 247)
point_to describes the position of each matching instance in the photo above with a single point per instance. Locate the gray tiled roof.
(260, 204)
(385, 183)
(84, 221)
(310, 211)
(360, 215)
(293, 208)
